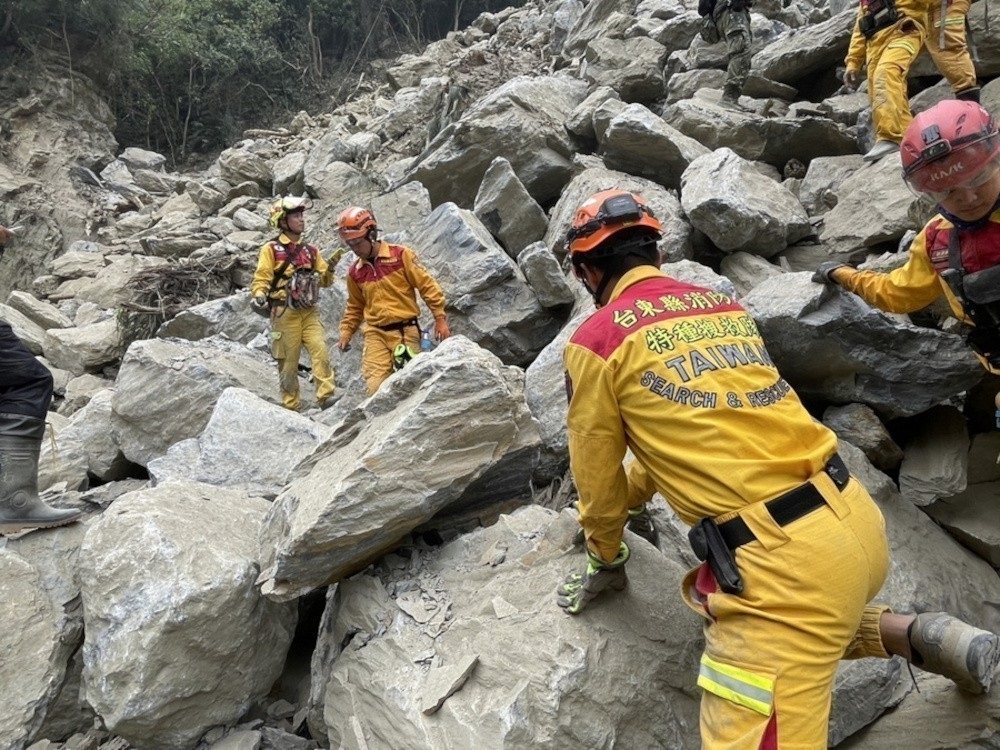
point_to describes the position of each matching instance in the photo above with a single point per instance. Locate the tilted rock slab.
(621, 675)
(178, 639)
(830, 345)
(375, 480)
(800, 54)
(167, 389)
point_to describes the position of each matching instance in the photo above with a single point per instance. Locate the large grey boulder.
(545, 276)
(640, 142)
(188, 378)
(83, 348)
(507, 209)
(248, 444)
(523, 120)
(540, 678)
(372, 483)
(799, 54)
(729, 200)
(173, 615)
(230, 316)
(831, 345)
(632, 67)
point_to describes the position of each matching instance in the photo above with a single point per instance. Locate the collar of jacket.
(634, 276)
(383, 252)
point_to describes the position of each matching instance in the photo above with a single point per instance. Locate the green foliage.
(185, 76)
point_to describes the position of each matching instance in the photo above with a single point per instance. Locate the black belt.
(397, 326)
(788, 507)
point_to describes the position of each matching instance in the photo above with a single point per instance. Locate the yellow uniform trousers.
(953, 59)
(376, 356)
(771, 653)
(889, 55)
(292, 329)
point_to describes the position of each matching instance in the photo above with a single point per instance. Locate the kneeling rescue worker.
(381, 290)
(287, 281)
(794, 546)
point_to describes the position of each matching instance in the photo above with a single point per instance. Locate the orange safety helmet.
(355, 223)
(605, 214)
(288, 204)
(948, 146)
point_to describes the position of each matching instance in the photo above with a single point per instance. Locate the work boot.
(20, 506)
(880, 149)
(641, 524)
(947, 646)
(969, 95)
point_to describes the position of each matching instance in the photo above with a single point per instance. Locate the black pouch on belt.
(708, 545)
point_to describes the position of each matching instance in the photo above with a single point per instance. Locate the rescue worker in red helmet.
(794, 546)
(381, 291)
(289, 275)
(951, 152)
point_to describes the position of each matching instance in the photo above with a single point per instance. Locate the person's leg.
(953, 59)
(314, 340)
(889, 100)
(25, 383)
(735, 27)
(286, 345)
(771, 653)
(376, 357)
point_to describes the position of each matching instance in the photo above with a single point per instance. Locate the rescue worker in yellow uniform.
(287, 281)
(381, 291)
(794, 546)
(888, 35)
(951, 153)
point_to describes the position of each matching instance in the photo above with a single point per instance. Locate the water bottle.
(425, 341)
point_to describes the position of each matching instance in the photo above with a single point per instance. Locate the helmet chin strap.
(962, 224)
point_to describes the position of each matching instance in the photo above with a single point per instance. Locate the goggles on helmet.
(622, 208)
(944, 167)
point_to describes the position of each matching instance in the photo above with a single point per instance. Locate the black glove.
(823, 274)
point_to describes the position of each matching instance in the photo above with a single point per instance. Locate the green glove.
(578, 589)
(640, 523)
(336, 255)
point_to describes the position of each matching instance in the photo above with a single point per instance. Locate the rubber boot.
(945, 645)
(730, 97)
(20, 506)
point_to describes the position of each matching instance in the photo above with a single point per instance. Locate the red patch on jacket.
(378, 268)
(980, 246)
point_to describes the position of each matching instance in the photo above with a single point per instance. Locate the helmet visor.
(942, 166)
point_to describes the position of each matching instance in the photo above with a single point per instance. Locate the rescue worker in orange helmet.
(888, 35)
(287, 281)
(951, 152)
(794, 545)
(381, 291)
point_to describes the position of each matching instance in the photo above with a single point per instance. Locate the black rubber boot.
(969, 95)
(20, 506)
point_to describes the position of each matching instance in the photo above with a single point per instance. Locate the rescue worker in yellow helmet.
(381, 291)
(950, 153)
(888, 35)
(794, 545)
(287, 281)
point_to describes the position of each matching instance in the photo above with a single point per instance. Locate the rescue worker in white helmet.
(381, 291)
(286, 287)
(794, 546)
(951, 153)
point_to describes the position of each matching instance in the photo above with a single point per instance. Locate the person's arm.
(353, 313)
(596, 450)
(264, 275)
(855, 59)
(430, 291)
(906, 289)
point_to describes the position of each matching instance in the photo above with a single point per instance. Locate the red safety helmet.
(355, 223)
(948, 146)
(605, 214)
